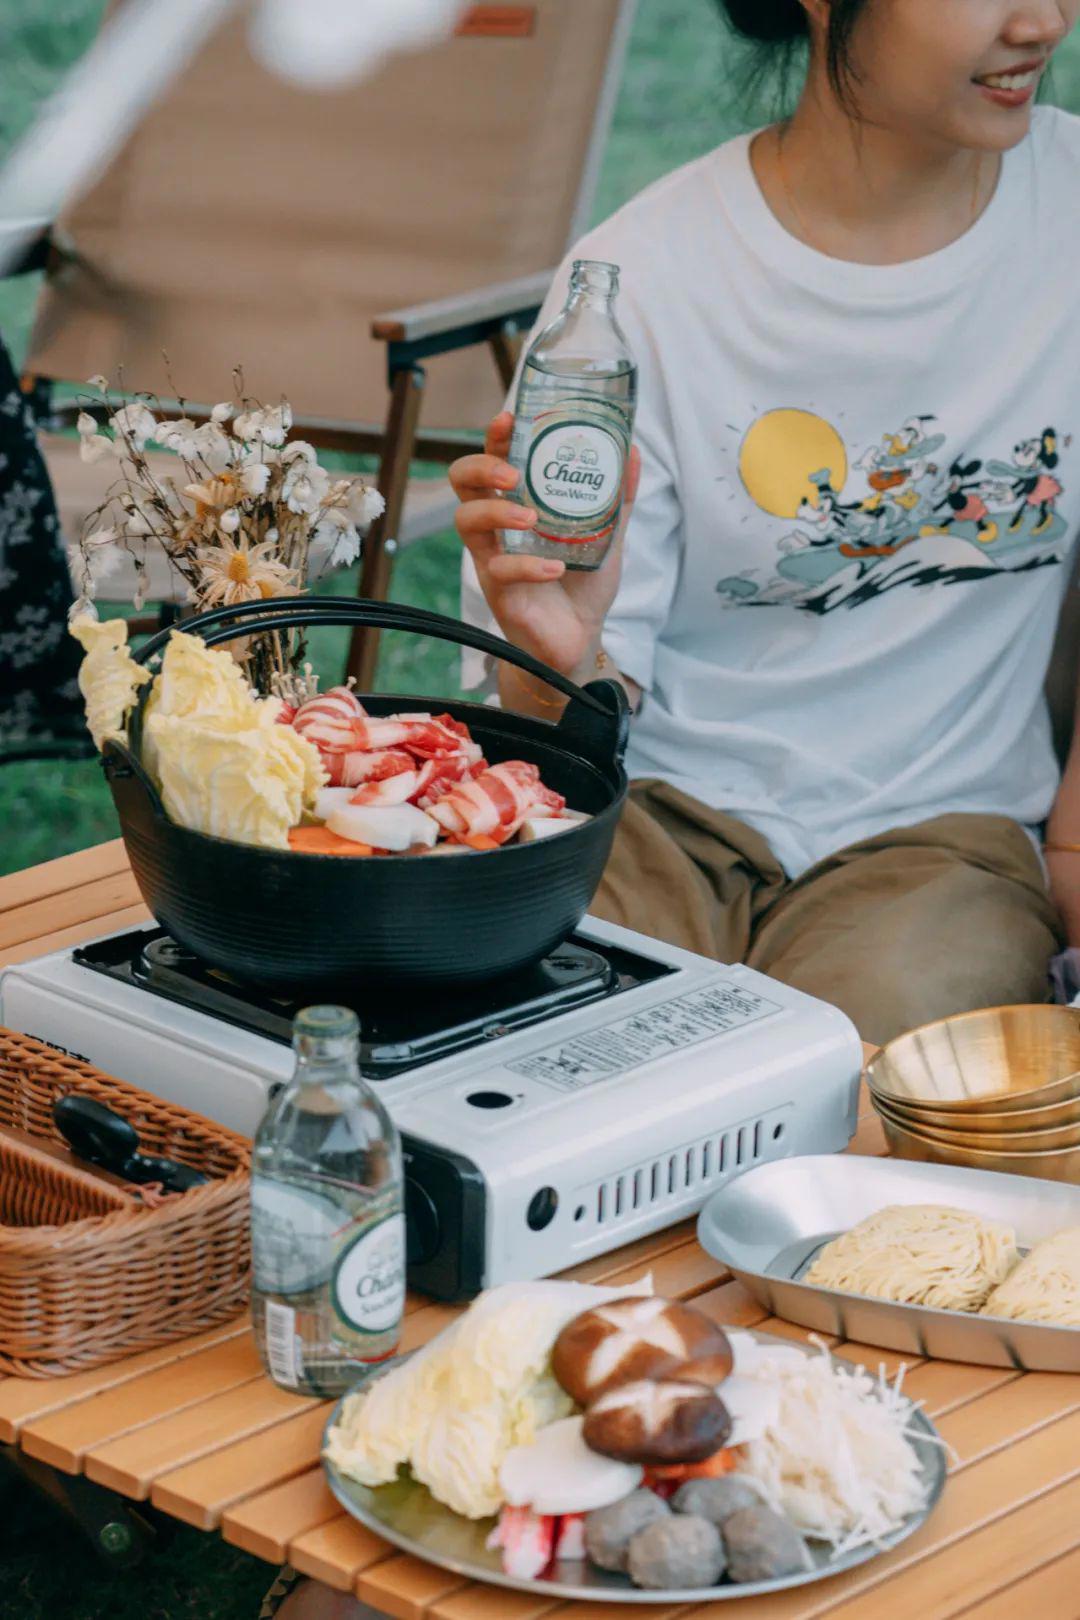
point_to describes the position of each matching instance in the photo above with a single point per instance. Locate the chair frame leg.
(381, 542)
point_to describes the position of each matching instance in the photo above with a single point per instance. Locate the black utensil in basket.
(304, 922)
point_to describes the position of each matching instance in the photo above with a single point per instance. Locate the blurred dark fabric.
(41, 712)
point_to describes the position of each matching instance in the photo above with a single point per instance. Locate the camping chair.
(337, 246)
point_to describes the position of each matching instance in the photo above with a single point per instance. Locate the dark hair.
(782, 24)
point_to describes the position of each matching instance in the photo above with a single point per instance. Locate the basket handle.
(300, 612)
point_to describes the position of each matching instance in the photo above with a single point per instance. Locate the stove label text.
(670, 1026)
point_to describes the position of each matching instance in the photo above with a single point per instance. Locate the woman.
(841, 756)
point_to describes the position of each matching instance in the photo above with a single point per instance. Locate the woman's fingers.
(482, 516)
(480, 474)
(504, 568)
(499, 434)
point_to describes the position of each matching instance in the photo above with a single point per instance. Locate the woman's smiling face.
(955, 72)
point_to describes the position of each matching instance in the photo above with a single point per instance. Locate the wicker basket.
(86, 1276)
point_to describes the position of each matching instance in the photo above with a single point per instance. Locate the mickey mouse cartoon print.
(1031, 475)
(891, 517)
(965, 501)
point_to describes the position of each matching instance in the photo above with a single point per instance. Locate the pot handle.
(302, 612)
(123, 765)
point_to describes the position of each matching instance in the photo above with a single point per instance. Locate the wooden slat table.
(196, 1429)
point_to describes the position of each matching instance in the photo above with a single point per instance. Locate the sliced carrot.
(321, 841)
(479, 841)
(714, 1467)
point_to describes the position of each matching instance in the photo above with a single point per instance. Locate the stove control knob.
(542, 1208)
(422, 1223)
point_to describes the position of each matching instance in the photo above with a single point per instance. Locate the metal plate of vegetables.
(509, 1451)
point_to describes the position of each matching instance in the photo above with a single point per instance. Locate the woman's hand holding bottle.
(552, 612)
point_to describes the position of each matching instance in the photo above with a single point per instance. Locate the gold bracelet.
(1058, 846)
(547, 703)
(601, 663)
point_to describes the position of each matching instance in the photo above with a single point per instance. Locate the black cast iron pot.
(300, 922)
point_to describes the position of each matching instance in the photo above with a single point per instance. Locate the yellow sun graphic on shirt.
(781, 451)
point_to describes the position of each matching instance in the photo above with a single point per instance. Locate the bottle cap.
(326, 1023)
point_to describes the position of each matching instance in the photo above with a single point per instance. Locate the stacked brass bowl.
(994, 1090)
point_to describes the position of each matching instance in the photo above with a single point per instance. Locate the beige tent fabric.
(250, 222)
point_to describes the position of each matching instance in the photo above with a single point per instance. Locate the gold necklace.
(806, 234)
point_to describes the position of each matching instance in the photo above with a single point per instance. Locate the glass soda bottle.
(573, 422)
(327, 1221)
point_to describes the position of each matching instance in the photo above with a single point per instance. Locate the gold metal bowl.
(1011, 1140)
(1015, 1119)
(1063, 1165)
(999, 1060)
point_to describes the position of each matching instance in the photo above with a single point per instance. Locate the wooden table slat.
(21, 889)
(942, 1587)
(336, 1552)
(70, 909)
(64, 1437)
(491, 1603)
(1051, 1593)
(76, 934)
(618, 1611)
(131, 1463)
(404, 1587)
(265, 1524)
(22, 1399)
(632, 1260)
(1006, 1414)
(199, 1492)
(943, 1386)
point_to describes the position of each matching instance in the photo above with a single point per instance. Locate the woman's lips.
(1012, 89)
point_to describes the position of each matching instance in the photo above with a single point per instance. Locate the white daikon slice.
(558, 1473)
(534, 827)
(395, 827)
(327, 800)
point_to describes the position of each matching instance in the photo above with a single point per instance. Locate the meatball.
(714, 1499)
(677, 1552)
(762, 1546)
(608, 1529)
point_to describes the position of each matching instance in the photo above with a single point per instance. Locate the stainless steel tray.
(406, 1514)
(769, 1224)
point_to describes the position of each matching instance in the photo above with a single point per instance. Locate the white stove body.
(544, 1147)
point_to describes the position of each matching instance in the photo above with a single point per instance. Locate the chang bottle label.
(368, 1286)
(574, 474)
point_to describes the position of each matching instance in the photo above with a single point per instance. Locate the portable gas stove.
(546, 1118)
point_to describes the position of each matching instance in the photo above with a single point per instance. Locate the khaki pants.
(914, 925)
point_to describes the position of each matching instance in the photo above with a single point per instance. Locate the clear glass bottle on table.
(573, 424)
(327, 1221)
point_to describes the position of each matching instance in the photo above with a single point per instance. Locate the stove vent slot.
(681, 1176)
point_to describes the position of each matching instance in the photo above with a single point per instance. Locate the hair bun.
(775, 22)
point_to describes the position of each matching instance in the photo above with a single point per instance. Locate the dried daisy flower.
(237, 520)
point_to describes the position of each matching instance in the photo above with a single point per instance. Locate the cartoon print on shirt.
(916, 522)
(1032, 482)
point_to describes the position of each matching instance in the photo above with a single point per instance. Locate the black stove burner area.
(396, 1034)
